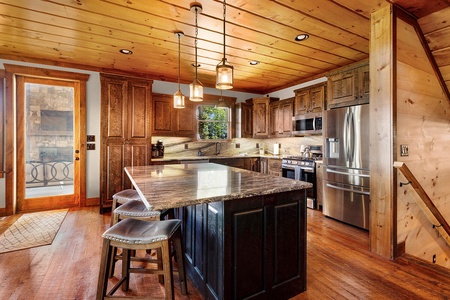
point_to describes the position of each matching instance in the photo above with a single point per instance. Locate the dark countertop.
(178, 185)
(194, 158)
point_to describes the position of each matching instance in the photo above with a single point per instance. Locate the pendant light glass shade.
(221, 102)
(196, 91)
(224, 71)
(196, 87)
(178, 97)
(224, 75)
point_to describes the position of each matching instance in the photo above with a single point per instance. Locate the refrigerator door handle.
(347, 190)
(351, 137)
(347, 173)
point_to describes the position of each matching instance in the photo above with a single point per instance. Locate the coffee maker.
(158, 149)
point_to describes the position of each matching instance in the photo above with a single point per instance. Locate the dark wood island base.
(247, 248)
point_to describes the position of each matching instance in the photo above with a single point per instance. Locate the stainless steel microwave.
(307, 124)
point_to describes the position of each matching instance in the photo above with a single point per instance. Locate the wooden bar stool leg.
(167, 265)
(126, 258)
(112, 262)
(104, 267)
(159, 262)
(180, 260)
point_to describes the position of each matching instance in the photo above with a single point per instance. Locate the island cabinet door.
(265, 247)
(203, 239)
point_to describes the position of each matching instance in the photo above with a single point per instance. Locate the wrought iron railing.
(48, 173)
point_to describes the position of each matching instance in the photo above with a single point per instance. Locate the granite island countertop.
(177, 185)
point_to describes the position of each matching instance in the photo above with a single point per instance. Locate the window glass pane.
(213, 123)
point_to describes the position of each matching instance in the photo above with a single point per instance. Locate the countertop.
(194, 158)
(170, 186)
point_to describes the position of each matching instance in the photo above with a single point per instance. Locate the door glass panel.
(49, 140)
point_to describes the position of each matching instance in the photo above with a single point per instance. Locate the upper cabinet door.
(310, 99)
(170, 121)
(349, 87)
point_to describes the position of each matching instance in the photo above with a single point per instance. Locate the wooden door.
(50, 158)
(125, 132)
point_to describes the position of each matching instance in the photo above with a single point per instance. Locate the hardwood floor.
(339, 266)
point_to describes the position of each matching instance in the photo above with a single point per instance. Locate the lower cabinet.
(247, 163)
(247, 248)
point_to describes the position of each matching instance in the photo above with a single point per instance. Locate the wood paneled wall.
(382, 114)
(423, 123)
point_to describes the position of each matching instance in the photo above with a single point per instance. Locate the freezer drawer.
(346, 203)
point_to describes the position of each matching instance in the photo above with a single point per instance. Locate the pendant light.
(196, 88)
(224, 71)
(178, 97)
(221, 102)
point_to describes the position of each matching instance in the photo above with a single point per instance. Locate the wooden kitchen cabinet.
(310, 99)
(247, 119)
(349, 86)
(170, 121)
(247, 163)
(253, 247)
(281, 113)
(125, 132)
(274, 166)
(261, 116)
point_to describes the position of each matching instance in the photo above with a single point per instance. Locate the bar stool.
(133, 234)
(123, 197)
(135, 209)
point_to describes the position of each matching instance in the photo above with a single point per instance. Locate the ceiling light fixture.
(253, 62)
(301, 37)
(126, 51)
(196, 88)
(224, 71)
(178, 97)
(221, 102)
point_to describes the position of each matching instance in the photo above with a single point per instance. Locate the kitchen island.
(244, 232)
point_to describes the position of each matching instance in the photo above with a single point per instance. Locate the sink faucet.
(218, 147)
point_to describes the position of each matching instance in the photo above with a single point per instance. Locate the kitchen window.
(214, 123)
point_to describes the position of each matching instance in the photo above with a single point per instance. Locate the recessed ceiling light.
(253, 62)
(301, 37)
(126, 51)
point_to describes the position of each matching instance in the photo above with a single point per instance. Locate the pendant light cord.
(224, 14)
(196, 41)
(179, 64)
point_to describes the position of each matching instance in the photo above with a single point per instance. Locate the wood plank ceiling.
(88, 35)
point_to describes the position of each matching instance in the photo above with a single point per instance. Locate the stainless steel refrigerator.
(346, 185)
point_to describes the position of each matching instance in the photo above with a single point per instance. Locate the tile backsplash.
(187, 147)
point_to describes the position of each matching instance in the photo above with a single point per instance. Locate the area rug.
(32, 230)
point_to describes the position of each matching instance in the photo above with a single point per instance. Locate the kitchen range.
(303, 168)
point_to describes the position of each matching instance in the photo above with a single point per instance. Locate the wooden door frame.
(10, 126)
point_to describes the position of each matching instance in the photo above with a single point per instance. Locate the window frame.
(229, 117)
(211, 100)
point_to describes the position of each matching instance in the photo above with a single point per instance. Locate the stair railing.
(428, 206)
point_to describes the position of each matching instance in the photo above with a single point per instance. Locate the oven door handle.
(347, 190)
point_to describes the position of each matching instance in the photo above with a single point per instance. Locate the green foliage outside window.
(212, 123)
